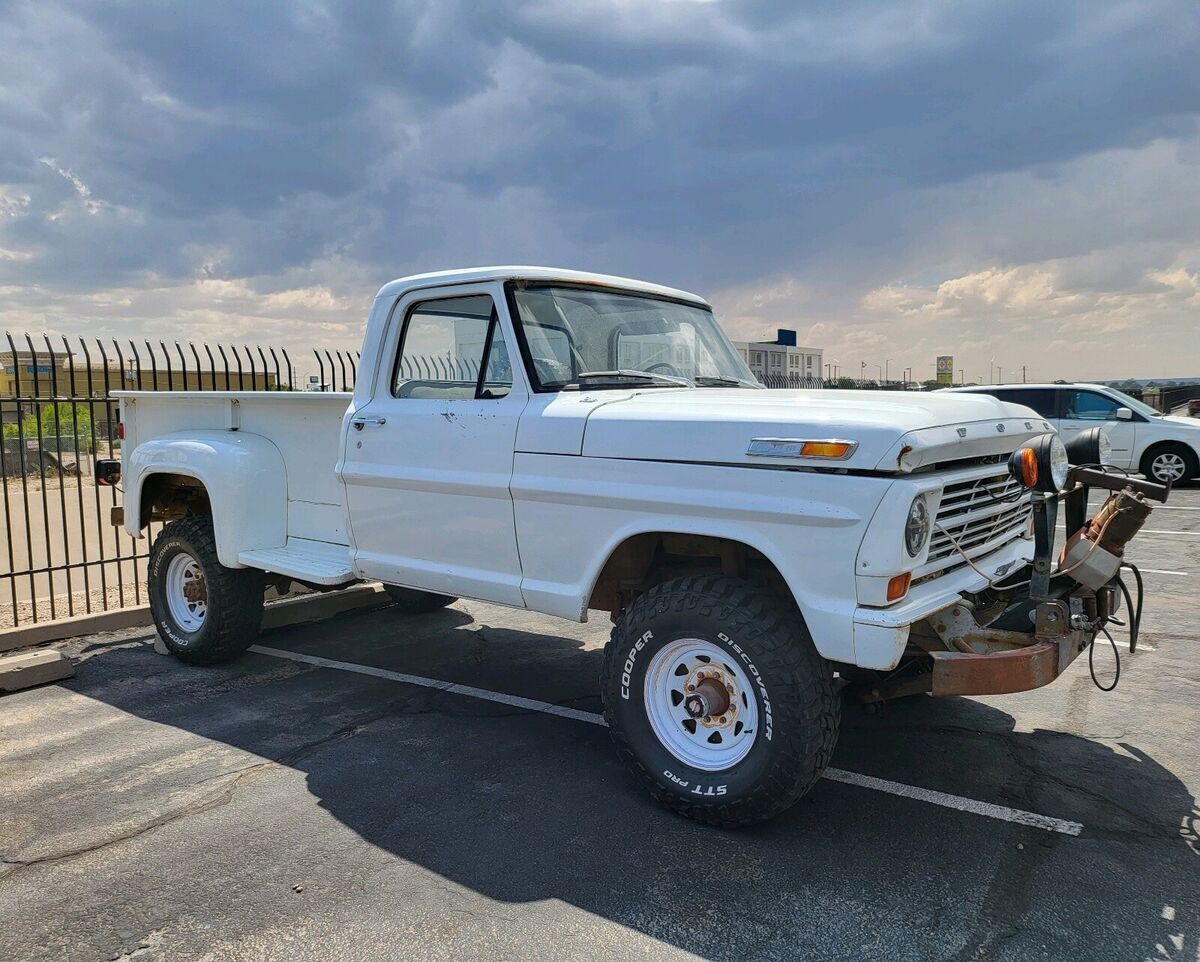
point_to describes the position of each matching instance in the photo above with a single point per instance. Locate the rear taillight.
(121, 430)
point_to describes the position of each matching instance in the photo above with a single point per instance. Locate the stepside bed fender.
(243, 475)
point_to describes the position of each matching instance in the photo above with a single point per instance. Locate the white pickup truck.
(569, 442)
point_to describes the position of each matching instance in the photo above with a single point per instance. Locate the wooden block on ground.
(29, 668)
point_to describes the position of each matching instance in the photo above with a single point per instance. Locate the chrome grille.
(982, 514)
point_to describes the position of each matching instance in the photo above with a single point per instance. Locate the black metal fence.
(796, 381)
(1175, 399)
(57, 415)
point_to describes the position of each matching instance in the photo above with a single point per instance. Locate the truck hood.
(894, 432)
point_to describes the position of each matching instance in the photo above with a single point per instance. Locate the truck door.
(1083, 409)
(429, 456)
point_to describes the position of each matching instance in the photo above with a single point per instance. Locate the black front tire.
(234, 596)
(1162, 455)
(414, 602)
(798, 707)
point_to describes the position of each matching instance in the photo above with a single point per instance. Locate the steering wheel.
(662, 367)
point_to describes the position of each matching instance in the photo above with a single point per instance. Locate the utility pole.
(962, 375)
(1023, 374)
(886, 362)
(862, 372)
(999, 375)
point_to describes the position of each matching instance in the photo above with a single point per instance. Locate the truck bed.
(304, 426)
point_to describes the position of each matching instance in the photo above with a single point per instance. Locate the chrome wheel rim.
(700, 704)
(187, 592)
(1168, 467)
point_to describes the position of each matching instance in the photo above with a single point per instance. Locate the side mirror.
(1123, 414)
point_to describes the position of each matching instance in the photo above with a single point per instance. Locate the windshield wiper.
(627, 374)
(716, 380)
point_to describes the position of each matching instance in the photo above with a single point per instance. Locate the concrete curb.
(39, 634)
(29, 668)
(278, 614)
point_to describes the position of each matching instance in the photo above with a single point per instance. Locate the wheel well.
(1158, 447)
(645, 560)
(166, 497)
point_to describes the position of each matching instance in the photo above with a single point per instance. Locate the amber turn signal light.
(1026, 463)
(898, 587)
(826, 449)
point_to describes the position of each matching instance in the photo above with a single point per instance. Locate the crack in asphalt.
(1010, 892)
(220, 797)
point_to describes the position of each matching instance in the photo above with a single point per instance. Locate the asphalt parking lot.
(278, 808)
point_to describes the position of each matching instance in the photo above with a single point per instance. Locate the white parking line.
(1160, 571)
(515, 700)
(1002, 812)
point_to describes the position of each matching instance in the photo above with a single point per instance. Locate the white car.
(1163, 447)
(570, 442)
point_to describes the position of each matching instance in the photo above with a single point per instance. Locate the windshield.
(595, 338)
(1135, 405)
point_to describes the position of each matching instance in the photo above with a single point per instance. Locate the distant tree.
(62, 420)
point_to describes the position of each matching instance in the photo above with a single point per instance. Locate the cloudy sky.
(895, 180)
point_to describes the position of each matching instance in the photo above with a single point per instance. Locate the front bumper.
(881, 634)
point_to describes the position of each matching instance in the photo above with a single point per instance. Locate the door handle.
(361, 422)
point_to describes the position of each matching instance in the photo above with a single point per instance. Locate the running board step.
(315, 561)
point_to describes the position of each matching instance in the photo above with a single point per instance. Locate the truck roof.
(471, 275)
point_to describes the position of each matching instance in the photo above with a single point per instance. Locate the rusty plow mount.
(952, 654)
(992, 661)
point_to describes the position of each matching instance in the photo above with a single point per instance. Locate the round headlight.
(1059, 462)
(916, 528)
(1089, 447)
(1041, 464)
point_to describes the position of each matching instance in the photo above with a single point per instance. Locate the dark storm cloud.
(717, 140)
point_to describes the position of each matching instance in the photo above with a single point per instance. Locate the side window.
(453, 348)
(1041, 399)
(1089, 406)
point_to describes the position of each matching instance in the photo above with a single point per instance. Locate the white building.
(782, 360)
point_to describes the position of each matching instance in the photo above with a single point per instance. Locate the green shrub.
(62, 420)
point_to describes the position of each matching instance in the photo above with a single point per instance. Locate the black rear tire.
(414, 602)
(797, 708)
(233, 597)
